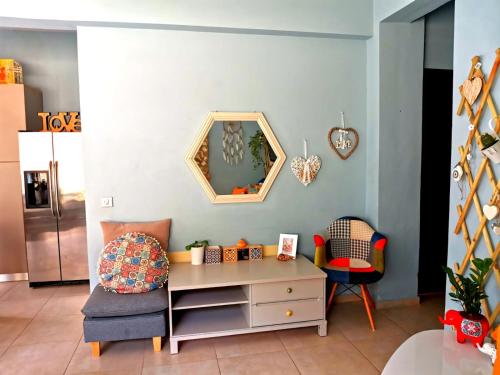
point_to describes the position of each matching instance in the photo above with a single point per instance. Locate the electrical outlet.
(107, 202)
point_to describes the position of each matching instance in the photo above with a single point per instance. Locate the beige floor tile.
(263, 364)
(69, 305)
(300, 337)
(10, 329)
(72, 290)
(333, 358)
(354, 324)
(378, 351)
(415, 319)
(232, 346)
(136, 371)
(209, 367)
(39, 359)
(120, 355)
(18, 308)
(5, 287)
(52, 329)
(189, 351)
(350, 309)
(22, 291)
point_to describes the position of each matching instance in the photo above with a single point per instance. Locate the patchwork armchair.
(353, 256)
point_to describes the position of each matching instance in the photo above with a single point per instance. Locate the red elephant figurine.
(473, 328)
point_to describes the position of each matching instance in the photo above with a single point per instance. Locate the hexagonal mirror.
(236, 157)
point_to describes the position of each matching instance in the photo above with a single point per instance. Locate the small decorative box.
(213, 254)
(256, 252)
(10, 71)
(230, 254)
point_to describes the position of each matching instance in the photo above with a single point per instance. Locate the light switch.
(107, 202)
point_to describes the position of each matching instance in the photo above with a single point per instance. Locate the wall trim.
(6, 277)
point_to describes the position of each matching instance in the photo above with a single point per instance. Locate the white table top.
(184, 276)
(437, 352)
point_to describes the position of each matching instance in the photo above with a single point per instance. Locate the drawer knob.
(289, 290)
(289, 313)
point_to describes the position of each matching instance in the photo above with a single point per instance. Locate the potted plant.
(258, 145)
(469, 323)
(197, 249)
(491, 147)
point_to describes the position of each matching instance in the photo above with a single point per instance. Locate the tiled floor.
(41, 333)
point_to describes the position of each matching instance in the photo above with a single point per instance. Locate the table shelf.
(209, 320)
(209, 297)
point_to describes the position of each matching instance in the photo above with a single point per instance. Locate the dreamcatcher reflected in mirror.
(232, 142)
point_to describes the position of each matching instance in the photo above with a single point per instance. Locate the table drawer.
(287, 290)
(265, 314)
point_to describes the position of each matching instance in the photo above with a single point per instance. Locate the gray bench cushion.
(125, 327)
(102, 304)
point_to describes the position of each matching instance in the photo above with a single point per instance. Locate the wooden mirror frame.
(271, 139)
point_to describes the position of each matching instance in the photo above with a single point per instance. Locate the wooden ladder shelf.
(473, 181)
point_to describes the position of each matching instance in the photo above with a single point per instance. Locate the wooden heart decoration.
(306, 170)
(490, 212)
(471, 89)
(496, 229)
(344, 155)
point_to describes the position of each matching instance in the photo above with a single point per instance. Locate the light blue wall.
(49, 63)
(474, 35)
(439, 38)
(224, 177)
(140, 124)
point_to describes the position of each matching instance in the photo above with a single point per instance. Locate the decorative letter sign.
(62, 122)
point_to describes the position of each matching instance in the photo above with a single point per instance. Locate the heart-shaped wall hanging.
(343, 144)
(471, 89)
(496, 228)
(490, 212)
(306, 168)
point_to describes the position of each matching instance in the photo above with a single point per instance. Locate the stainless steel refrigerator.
(51, 167)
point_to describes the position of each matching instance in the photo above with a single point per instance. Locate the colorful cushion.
(133, 263)
(158, 229)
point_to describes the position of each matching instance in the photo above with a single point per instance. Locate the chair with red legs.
(353, 256)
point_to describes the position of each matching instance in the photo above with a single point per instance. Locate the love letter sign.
(62, 122)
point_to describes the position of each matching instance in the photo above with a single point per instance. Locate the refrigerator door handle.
(56, 178)
(51, 188)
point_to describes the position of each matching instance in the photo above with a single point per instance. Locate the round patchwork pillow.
(132, 263)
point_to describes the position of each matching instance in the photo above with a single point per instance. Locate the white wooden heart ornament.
(490, 212)
(306, 168)
(471, 89)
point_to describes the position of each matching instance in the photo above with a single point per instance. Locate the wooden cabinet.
(19, 106)
(213, 300)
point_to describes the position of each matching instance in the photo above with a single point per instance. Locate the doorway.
(437, 112)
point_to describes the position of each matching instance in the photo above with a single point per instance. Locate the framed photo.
(288, 244)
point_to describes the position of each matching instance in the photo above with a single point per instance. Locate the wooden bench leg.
(157, 343)
(96, 348)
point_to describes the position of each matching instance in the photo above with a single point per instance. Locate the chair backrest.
(354, 242)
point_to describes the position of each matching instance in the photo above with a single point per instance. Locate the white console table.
(437, 352)
(225, 299)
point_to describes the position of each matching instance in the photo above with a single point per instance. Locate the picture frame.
(288, 244)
